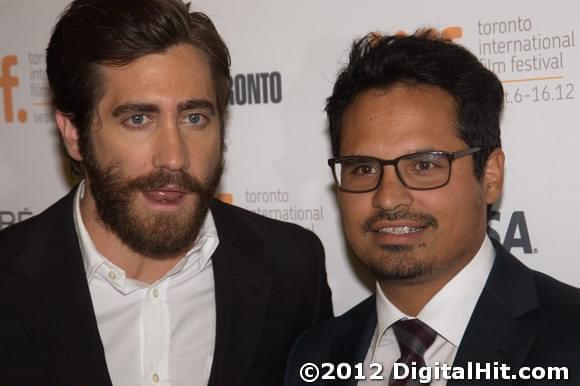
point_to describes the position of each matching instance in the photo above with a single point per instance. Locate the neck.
(136, 266)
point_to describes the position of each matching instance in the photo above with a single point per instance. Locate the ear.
(493, 175)
(69, 134)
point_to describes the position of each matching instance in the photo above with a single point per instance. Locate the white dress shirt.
(158, 334)
(448, 313)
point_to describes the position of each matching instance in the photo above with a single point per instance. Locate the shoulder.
(554, 292)
(286, 251)
(269, 232)
(57, 219)
(227, 212)
(321, 338)
(552, 308)
(522, 289)
(559, 311)
(29, 230)
(555, 323)
(339, 339)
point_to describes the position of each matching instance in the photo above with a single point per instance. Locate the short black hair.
(90, 33)
(423, 58)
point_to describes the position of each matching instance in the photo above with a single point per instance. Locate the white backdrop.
(285, 58)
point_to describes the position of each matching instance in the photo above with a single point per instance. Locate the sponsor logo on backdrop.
(37, 94)
(256, 88)
(228, 198)
(517, 234)
(277, 204)
(452, 32)
(8, 217)
(530, 60)
(8, 82)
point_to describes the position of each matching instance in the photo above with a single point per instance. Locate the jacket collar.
(495, 332)
(242, 292)
(49, 295)
(50, 241)
(352, 346)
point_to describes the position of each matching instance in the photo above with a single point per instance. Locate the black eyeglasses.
(418, 171)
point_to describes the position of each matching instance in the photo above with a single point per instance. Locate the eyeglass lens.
(417, 171)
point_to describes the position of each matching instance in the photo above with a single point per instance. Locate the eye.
(424, 165)
(365, 169)
(360, 167)
(195, 119)
(136, 121)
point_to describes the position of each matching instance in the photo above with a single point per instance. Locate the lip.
(376, 226)
(167, 197)
(397, 232)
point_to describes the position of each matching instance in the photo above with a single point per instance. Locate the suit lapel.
(50, 297)
(494, 333)
(242, 292)
(353, 345)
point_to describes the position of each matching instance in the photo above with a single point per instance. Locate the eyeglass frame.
(451, 156)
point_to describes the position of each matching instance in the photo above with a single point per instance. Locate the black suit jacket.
(270, 286)
(522, 318)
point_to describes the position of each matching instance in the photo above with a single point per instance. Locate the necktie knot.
(414, 337)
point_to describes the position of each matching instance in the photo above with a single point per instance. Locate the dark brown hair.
(380, 62)
(90, 33)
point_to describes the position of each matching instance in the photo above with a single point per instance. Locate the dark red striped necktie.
(414, 338)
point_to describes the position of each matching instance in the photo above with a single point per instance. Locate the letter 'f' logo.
(7, 82)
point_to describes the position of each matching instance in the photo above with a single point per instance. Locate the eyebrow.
(418, 150)
(152, 108)
(193, 104)
(135, 108)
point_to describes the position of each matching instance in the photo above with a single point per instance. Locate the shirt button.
(155, 293)
(112, 275)
(155, 377)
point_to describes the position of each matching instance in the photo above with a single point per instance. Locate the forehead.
(180, 73)
(400, 120)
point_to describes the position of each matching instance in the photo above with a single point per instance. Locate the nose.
(391, 193)
(171, 150)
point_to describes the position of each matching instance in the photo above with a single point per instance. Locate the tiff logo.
(448, 33)
(7, 83)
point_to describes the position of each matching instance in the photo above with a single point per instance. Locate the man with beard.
(414, 127)
(138, 276)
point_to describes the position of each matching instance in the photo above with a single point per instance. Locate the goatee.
(398, 262)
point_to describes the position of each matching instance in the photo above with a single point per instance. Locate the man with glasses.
(414, 128)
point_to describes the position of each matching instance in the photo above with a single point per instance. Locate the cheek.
(104, 152)
(355, 209)
(459, 211)
(132, 160)
(204, 156)
(202, 143)
(203, 151)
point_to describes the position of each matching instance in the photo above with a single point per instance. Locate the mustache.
(389, 215)
(161, 178)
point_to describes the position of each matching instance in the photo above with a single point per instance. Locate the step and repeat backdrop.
(285, 56)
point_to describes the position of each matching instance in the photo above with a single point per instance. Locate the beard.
(156, 235)
(398, 262)
(398, 265)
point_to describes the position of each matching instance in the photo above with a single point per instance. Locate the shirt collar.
(449, 311)
(199, 256)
